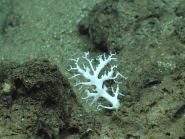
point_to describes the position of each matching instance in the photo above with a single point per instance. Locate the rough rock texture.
(36, 101)
(114, 24)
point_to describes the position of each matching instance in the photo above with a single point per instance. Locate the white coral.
(101, 89)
